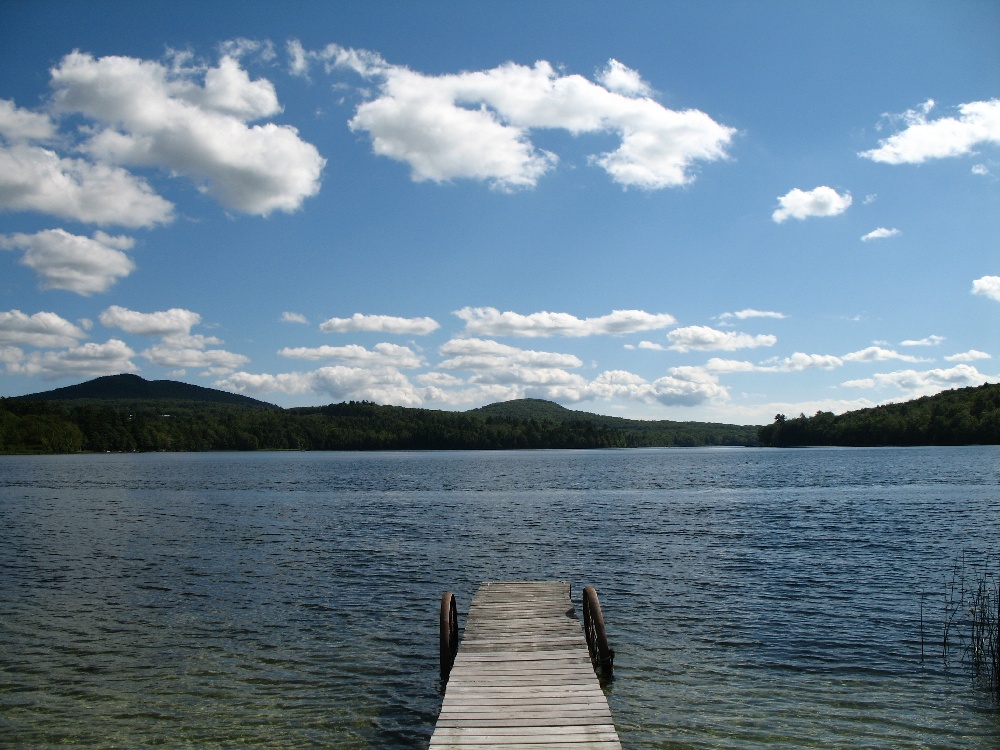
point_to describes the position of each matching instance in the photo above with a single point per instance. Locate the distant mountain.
(125, 413)
(530, 408)
(134, 388)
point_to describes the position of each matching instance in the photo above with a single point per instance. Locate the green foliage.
(966, 416)
(174, 425)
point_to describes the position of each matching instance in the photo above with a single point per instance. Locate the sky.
(713, 211)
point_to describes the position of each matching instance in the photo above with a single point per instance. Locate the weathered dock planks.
(523, 678)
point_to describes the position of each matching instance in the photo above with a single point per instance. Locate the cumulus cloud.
(688, 386)
(622, 80)
(172, 322)
(67, 261)
(380, 324)
(43, 329)
(820, 201)
(880, 234)
(482, 354)
(932, 340)
(916, 383)
(488, 321)
(801, 361)
(194, 122)
(383, 355)
(341, 383)
(751, 313)
(86, 361)
(977, 123)
(988, 286)
(970, 356)
(18, 124)
(10, 354)
(37, 179)
(477, 124)
(878, 354)
(171, 353)
(704, 338)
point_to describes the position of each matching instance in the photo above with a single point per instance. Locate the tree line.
(102, 426)
(965, 416)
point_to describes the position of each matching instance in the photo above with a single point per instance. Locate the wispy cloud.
(880, 234)
(932, 340)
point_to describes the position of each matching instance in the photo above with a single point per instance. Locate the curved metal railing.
(601, 653)
(449, 633)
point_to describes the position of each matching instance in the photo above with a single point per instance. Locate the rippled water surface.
(756, 598)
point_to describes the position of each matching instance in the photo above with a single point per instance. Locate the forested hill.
(97, 417)
(128, 388)
(966, 416)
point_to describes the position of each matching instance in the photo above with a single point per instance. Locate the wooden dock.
(523, 678)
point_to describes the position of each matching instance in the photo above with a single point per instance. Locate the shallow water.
(755, 598)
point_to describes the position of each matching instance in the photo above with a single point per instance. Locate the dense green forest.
(966, 416)
(117, 414)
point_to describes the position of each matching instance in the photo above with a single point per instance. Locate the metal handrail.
(449, 633)
(601, 653)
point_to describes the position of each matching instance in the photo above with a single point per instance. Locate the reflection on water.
(756, 598)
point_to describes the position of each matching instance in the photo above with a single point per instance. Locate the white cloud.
(820, 201)
(10, 355)
(87, 361)
(648, 345)
(489, 321)
(481, 354)
(622, 80)
(67, 261)
(880, 234)
(169, 354)
(172, 322)
(751, 313)
(978, 123)
(340, 383)
(18, 124)
(43, 329)
(932, 340)
(704, 338)
(37, 179)
(380, 324)
(293, 317)
(800, 361)
(916, 383)
(988, 286)
(381, 355)
(688, 386)
(476, 125)
(716, 364)
(163, 117)
(981, 169)
(970, 356)
(878, 354)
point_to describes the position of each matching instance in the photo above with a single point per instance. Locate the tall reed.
(972, 619)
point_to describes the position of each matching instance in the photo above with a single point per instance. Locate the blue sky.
(692, 211)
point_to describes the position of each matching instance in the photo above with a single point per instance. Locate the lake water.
(756, 598)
